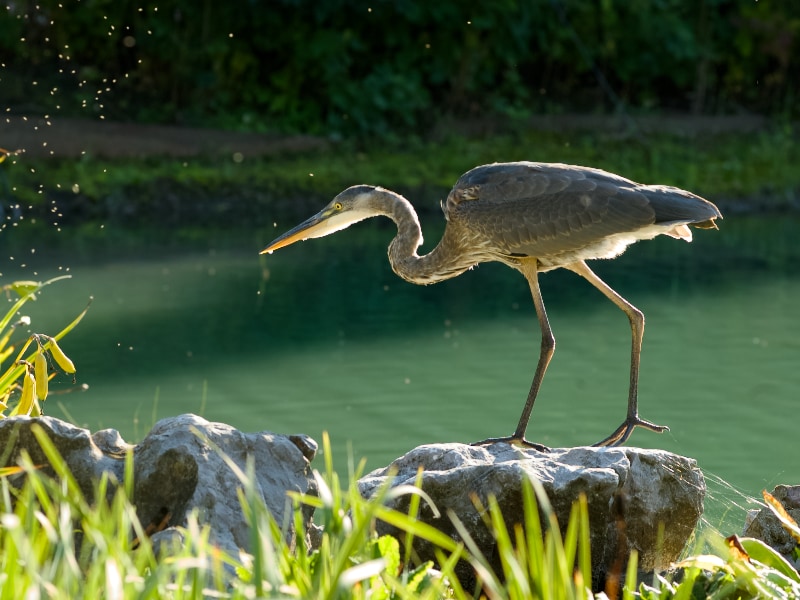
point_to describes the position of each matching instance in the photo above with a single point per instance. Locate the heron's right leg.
(530, 270)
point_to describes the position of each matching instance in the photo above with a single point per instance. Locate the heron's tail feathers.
(673, 205)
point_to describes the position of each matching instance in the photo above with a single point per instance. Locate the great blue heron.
(533, 217)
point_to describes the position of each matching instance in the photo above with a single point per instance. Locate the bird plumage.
(561, 213)
(533, 217)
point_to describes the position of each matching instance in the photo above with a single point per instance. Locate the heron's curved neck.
(443, 262)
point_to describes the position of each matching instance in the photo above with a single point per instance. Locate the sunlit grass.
(723, 165)
(57, 543)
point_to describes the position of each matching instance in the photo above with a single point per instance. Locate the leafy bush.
(347, 68)
(739, 568)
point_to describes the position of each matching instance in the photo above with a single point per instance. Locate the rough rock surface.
(631, 492)
(176, 469)
(765, 526)
(87, 456)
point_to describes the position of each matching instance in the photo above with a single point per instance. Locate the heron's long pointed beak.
(330, 219)
(315, 226)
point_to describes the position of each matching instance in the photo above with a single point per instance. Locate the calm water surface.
(322, 336)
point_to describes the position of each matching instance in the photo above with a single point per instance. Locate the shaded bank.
(74, 171)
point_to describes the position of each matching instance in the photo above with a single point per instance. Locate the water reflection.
(323, 336)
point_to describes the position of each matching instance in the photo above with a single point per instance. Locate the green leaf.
(389, 549)
(769, 557)
(23, 299)
(418, 578)
(23, 288)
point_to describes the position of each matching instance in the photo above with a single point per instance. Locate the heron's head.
(351, 206)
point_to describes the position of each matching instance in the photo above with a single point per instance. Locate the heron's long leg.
(632, 420)
(547, 349)
(529, 270)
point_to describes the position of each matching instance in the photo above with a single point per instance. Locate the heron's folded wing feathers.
(538, 210)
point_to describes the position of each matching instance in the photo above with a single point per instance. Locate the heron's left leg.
(635, 316)
(530, 270)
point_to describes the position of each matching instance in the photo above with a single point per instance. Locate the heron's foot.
(514, 441)
(624, 431)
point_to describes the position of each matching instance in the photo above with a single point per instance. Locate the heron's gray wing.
(539, 209)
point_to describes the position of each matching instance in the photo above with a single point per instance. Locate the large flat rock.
(631, 493)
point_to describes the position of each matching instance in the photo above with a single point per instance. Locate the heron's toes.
(624, 431)
(652, 426)
(513, 440)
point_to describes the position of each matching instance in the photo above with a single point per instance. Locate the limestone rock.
(630, 492)
(88, 456)
(176, 469)
(765, 526)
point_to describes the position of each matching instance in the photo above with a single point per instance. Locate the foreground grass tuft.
(57, 543)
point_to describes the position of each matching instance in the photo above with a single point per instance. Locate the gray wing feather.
(674, 205)
(540, 209)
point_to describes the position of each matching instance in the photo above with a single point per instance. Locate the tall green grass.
(57, 543)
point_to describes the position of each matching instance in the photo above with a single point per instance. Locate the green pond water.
(322, 336)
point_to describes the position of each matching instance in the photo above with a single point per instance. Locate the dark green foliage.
(347, 67)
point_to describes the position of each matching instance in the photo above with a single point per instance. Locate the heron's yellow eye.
(338, 206)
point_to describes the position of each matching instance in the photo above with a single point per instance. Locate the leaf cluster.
(26, 377)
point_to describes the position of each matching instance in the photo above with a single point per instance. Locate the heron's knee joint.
(548, 344)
